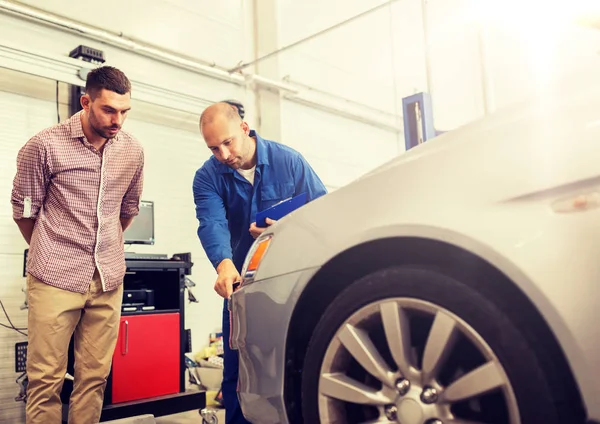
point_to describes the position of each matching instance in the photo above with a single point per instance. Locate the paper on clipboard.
(281, 209)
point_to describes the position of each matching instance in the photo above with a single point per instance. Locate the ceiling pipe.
(279, 86)
(288, 91)
(119, 41)
(373, 119)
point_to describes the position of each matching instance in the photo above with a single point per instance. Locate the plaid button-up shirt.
(77, 196)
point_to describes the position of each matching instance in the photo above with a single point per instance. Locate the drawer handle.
(126, 338)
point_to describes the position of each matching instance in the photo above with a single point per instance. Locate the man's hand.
(228, 275)
(257, 231)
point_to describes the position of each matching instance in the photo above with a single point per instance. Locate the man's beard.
(101, 131)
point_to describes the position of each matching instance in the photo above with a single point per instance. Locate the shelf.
(158, 406)
(156, 311)
(155, 265)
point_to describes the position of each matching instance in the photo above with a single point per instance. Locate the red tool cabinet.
(146, 361)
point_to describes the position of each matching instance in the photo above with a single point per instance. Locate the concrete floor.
(190, 417)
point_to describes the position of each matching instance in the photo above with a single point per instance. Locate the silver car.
(458, 283)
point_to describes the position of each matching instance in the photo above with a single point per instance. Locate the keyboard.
(132, 256)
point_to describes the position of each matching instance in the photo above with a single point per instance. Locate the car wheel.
(412, 346)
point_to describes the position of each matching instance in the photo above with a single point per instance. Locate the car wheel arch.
(371, 256)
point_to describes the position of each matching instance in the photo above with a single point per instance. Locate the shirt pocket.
(272, 194)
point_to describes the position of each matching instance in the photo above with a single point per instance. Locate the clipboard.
(281, 209)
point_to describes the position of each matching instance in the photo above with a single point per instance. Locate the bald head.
(227, 136)
(219, 111)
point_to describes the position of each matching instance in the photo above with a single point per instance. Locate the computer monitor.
(141, 230)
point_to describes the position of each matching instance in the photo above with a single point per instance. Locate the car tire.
(537, 399)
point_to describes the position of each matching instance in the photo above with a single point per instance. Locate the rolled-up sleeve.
(31, 180)
(130, 206)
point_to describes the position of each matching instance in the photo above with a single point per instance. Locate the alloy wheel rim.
(374, 370)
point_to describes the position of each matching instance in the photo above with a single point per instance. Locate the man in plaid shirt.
(77, 188)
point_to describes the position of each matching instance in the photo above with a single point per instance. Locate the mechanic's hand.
(228, 274)
(257, 231)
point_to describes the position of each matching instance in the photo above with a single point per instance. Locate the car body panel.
(260, 339)
(490, 188)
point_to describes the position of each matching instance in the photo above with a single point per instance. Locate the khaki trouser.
(54, 314)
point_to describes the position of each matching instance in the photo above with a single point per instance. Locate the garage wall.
(339, 149)
(369, 64)
(173, 152)
(529, 51)
(53, 42)
(408, 46)
(201, 29)
(20, 117)
(353, 63)
(174, 148)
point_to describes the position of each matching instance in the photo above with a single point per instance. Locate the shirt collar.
(77, 129)
(76, 126)
(262, 156)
